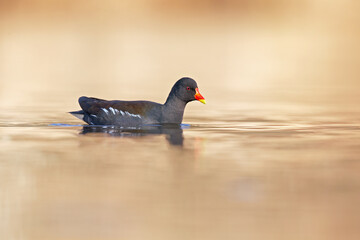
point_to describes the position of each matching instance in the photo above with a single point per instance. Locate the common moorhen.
(134, 113)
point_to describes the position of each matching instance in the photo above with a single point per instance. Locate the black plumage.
(134, 113)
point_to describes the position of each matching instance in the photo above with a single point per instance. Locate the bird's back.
(124, 113)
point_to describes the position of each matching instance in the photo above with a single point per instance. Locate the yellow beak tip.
(202, 101)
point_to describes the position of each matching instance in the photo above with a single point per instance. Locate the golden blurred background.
(57, 50)
(286, 170)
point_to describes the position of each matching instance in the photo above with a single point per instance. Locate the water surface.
(270, 173)
(274, 154)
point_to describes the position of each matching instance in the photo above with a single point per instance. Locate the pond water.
(273, 155)
(231, 171)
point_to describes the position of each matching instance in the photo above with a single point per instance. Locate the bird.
(97, 111)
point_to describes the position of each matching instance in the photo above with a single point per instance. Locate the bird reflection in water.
(173, 132)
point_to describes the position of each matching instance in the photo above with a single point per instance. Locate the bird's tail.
(79, 114)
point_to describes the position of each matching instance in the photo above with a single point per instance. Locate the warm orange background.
(273, 155)
(58, 50)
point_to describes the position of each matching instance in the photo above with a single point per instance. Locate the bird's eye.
(188, 88)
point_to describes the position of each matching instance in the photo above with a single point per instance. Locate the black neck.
(173, 110)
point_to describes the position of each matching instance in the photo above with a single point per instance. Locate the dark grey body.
(134, 113)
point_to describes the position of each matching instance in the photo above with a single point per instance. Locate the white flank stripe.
(112, 110)
(133, 115)
(105, 110)
(116, 111)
